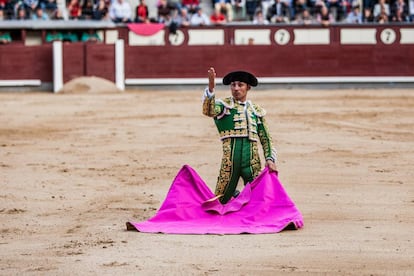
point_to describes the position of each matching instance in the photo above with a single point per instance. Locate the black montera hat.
(240, 76)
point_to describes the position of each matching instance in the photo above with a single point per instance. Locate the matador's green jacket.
(241, 127)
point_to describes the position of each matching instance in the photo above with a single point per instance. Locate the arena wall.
(275, 53)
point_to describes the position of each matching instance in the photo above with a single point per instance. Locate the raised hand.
(211, 79)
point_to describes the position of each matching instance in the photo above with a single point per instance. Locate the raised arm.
(211, 79)
(210, 108)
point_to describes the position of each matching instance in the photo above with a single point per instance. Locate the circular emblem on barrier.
(388, 36)
(282, 37)
(177, 38)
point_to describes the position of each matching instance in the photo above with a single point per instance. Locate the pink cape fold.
(263, 206)
(145, 28)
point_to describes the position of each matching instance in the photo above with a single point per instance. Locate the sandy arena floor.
(75, 167)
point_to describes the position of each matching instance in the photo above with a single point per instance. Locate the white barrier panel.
(20, 82)
(164, 81)
(57, 66)
(206, 37)
(270, 80)
(146, 40)
(311, 37)
(358, 36)
(252, 36)
(111, 36)
(407, 36)
(119, 65)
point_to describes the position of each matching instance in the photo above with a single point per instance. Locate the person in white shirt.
(381, 7)
(411, 9)
(354, 16)
(199, 18)
(120, 11)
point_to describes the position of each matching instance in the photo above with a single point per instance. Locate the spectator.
(317, 7)
(299, 7)
(312, 6)
(5, 37)
(90, 36)
(30, 6)
(218, 18)
(21, 14)
(191, 5)
(367, 3)
(69, 36)
(251, 7)
(239, 10)
(411, 9)
(290, 5)
(265, 4)
(278, 12)
(87, 9)
(120, 11)
(368, 16)
(399, 11)
(3, 9)
(224, 7)
(380, 8)
(100, 11)
(2, 16)
(325, 17)
(54, 36)
(179, 18)
(199, 18)
(336, 9)
(183, 18)
(74, 9)
(347, 6)
(175, 21)
(8, 8)
(354, 16)
(164, 11)
(48, 5)
(259, 19)
(382, 17)
(141, 12)
(39, 14)
(57, 15)
(175, 4)
(304, 18)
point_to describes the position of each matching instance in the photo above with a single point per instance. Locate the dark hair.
(173, 27)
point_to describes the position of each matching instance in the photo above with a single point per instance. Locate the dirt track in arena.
(75, 167)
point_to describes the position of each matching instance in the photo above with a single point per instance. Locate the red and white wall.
(276, 54)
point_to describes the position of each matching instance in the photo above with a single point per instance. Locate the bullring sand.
(75, 167)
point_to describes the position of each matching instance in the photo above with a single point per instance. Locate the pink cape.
(263, 206)
(145, 28)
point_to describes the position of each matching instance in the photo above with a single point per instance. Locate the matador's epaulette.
(258, 111)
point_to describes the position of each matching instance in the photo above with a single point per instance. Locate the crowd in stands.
(189, 12)
(181, 13)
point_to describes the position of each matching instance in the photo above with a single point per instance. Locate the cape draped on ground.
(263, 206)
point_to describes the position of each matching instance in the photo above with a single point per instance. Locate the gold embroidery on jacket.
(255, 163)
(226, 168)
(209, 107)
(238, 133)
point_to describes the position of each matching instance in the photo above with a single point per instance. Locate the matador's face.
(239, 90)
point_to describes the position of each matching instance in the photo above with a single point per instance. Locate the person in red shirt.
(218, 18)
(141, 12)
(75, 10)
(190, 5)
